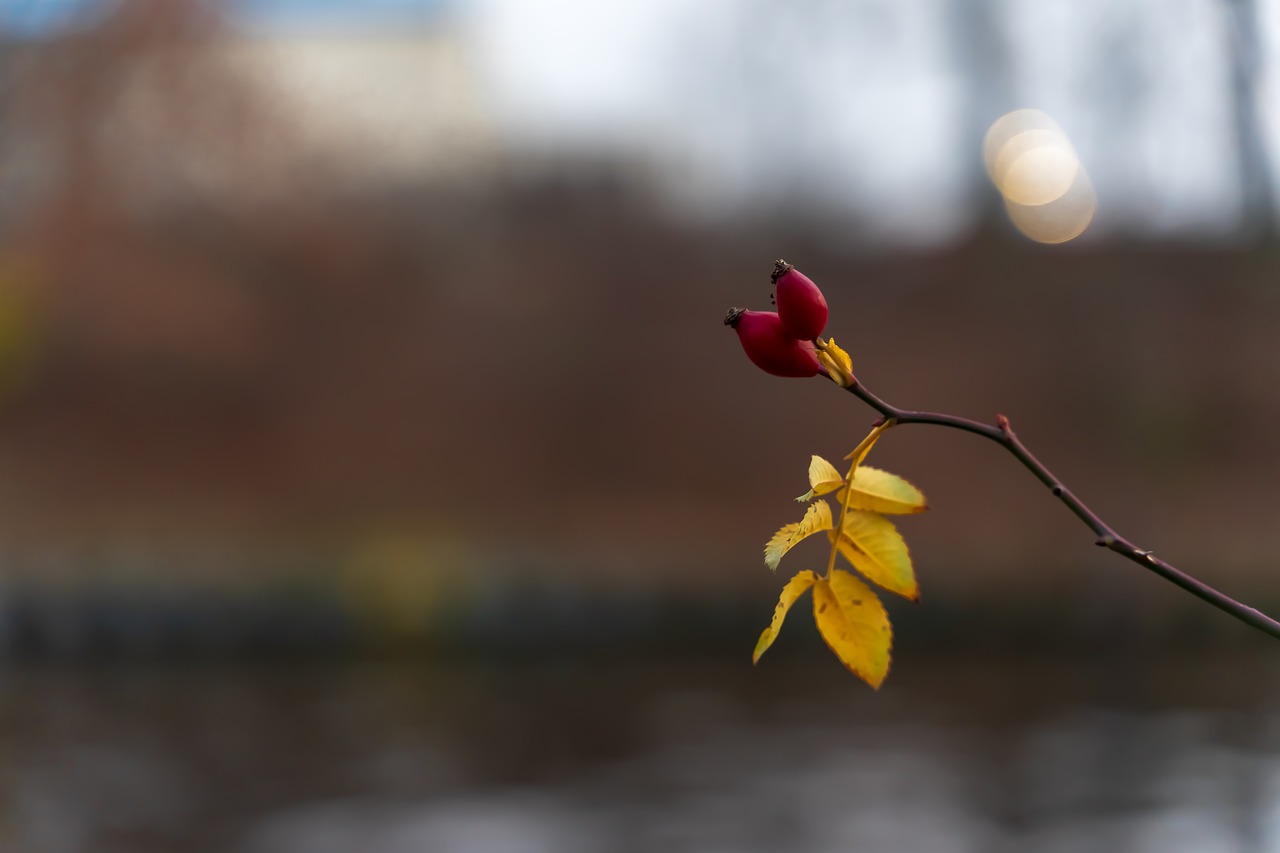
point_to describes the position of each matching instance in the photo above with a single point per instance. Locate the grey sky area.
(873, 111)
(879, 108)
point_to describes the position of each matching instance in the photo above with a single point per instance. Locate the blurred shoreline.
(523, 620)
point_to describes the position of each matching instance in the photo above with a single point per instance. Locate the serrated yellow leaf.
(793, 590)
(823, 478)
(853, 622)
(874, 547)
(817, 518)
(880, 491)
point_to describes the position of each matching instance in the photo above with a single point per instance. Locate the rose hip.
(801, 305)
(768, 345)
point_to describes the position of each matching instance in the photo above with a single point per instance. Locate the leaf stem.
(859, 453)
(1106, 537)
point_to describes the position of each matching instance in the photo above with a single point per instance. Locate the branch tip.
(1002, 434)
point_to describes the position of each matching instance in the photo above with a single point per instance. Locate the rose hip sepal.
(769, 347)
(801, 305)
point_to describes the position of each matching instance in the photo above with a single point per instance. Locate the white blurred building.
(377, 107)
(152, 114)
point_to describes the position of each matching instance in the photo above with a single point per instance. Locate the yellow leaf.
(880, 491)
(816, 518)
(874, 547)
(853, 622)
(793, 590)
(837, 362)
(823, 479)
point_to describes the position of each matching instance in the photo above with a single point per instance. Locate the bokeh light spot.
(1036, 167)
(1010, 126)
(1059, 221)
(1047, 193)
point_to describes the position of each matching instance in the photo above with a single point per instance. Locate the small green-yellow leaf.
(880, 491)
(793, 590)
(816, 518)
(837, 362)
(875, 548)
(853, 622)
(823, 479)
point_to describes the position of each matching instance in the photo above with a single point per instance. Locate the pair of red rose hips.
(781, 342)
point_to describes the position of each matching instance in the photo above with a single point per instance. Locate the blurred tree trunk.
(981, 56)
(1257, 183)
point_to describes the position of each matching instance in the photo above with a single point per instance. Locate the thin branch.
(1002, 434)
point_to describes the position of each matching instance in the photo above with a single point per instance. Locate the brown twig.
(1002, 434)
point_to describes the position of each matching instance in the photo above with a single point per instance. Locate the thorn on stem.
(1002, 423)
(1105, 541)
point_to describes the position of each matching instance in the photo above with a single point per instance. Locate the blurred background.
(376, 473)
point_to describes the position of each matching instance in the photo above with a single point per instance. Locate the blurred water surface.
(959, 753)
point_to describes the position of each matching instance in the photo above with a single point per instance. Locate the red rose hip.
(769, 346)
(801, 305)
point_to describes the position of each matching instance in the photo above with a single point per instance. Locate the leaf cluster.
(850, 616)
